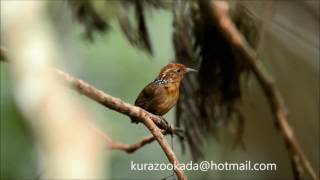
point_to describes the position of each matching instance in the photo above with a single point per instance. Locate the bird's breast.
(168, 99)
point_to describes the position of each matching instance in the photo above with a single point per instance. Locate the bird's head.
(174, 72)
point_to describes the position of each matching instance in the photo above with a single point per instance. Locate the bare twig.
(151, 121)
(133, 147)
(111, 144)
(126, 147)
(222, 18)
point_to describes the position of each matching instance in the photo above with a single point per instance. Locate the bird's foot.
(172, 130)
(164, 122)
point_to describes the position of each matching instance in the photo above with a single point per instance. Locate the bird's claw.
(172, 130)
(164, 121)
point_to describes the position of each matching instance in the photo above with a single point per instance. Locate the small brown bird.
(159, 96)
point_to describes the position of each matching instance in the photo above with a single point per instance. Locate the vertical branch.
(220, 12)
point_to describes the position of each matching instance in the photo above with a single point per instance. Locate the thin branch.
(151, 121)
(133, 147)
(126, 147)
(222, 18)
(111, 144)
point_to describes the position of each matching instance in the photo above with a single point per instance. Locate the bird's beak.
(191, 70)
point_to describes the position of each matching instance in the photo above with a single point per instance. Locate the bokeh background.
(289, 52)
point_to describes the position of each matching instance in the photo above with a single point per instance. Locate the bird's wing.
(145, 98)
(146, 95)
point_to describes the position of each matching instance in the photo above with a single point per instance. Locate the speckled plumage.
(159, 96)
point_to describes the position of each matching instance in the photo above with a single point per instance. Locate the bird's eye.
(178, 70)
